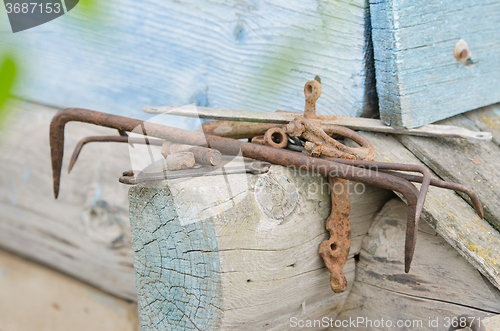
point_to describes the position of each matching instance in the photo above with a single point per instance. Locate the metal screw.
(462, 51)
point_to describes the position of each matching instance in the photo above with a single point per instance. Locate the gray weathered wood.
(229, 54)
(440, 285)
(472, 163)
(419, 80)
(85, 233)
(209, 257)
(450, 215)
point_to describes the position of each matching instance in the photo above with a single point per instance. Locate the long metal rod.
(354, 123)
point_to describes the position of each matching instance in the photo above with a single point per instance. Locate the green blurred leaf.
(7, 76)
(89, 6)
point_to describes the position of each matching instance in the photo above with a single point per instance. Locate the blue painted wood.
(419, 81)
(236, 54)
(176, 266)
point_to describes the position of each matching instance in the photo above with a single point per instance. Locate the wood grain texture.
(235, 54)
(469, 162)
(419, 81)
(440, 285)
(487, 119)
(450, 215)
(85, 233)
(263, 242)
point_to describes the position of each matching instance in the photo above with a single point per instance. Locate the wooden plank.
(258, 241)
(419, 80)
(236, 55)
(85, 233)
(487, 119)
(450, 215)
(472, 163)
(440, 285)
(38, 298)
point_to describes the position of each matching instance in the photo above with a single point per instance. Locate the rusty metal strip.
(335, 250)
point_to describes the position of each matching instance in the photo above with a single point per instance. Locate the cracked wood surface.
(441, 283)
(448, 213)
(419, 80)
(253, 253)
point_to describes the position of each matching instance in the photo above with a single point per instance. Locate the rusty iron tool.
(122, 138)
(256, 168)
(466, 320)
(202, 155)
(282, 117)
(230, 147)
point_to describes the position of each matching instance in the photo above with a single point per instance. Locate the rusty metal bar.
(335, 250)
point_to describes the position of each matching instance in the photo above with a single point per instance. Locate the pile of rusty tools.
(305, 142)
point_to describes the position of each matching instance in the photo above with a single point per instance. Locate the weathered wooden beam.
(419, 80)
(219, 54)
(239, 252)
